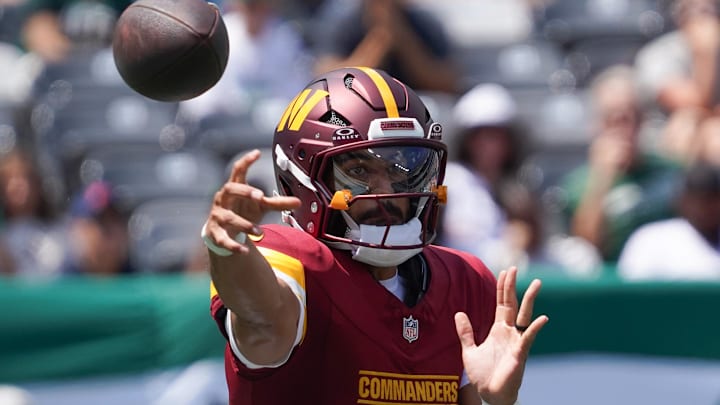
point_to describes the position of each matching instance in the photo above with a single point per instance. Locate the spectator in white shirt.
(683, 248)
(487, 154)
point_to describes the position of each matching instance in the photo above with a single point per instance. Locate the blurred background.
(584, 145)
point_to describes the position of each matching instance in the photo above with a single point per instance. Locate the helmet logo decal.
(299, 108)
(395, 128)
(390, 125)
(436, 131)
(345, 135)
(385, 92)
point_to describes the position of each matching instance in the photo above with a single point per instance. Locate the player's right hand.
(237, 207)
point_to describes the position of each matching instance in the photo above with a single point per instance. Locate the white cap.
(12, 395)
(486, 104)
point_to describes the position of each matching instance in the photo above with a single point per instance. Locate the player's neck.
(383, 273)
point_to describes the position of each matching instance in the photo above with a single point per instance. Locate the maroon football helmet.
(345, 127)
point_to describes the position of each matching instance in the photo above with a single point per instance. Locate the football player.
(351, 304)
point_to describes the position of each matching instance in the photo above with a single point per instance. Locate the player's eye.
(356, 169)
(359, 172)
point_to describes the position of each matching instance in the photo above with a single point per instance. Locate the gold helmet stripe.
(291, 107)
(299, 108)
(299, 116)
(387, 96)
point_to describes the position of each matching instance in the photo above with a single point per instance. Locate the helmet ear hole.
(285, 187)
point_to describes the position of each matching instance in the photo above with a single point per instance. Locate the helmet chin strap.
(406, 234)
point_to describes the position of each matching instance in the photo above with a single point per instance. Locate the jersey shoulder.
(457, 259)
(293, 243)
(471, 287)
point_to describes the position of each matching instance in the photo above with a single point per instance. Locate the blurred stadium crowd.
(570, 124)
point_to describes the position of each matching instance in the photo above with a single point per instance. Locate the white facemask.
(405, 234)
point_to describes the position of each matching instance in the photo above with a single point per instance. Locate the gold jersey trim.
(287, 268)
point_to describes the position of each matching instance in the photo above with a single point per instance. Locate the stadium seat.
(228, 134)
(548, 164)
(7, 113)
(568, 21)
(503, 21)
(520, 64)
(139, 173)
(165, 232)
(113, 118)
(558, 124)
(82, 104)
(83, 67)
(10, 22)
(72, 120)
(588, 57)
(8, 132)
(559, 117)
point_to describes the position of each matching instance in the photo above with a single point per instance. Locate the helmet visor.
(385, 170)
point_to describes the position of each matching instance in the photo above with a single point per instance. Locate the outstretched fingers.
(500, 295)
(239, 175)
(464, 330)
(509, 313)
(528, 337)
(507, 304)
(241, 166)
(280, 203)
(224, 228)
(237, 207)
(525, 312)
(525, 315)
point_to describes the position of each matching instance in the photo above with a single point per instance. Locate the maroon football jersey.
(361, 344)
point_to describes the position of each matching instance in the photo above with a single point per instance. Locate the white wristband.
(220, 251)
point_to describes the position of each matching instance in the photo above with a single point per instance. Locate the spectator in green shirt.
(621, 186)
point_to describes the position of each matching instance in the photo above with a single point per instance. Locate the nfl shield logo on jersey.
(410, 329)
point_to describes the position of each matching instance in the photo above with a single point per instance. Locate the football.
(170, 50)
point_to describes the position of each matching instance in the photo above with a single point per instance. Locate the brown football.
(171, 50)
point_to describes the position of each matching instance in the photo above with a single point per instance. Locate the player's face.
(384, 174)
(369, 175)
(389, 211)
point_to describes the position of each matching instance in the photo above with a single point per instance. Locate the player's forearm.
(263, 311)
(248, 287)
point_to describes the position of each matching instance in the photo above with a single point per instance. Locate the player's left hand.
(497, 365)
